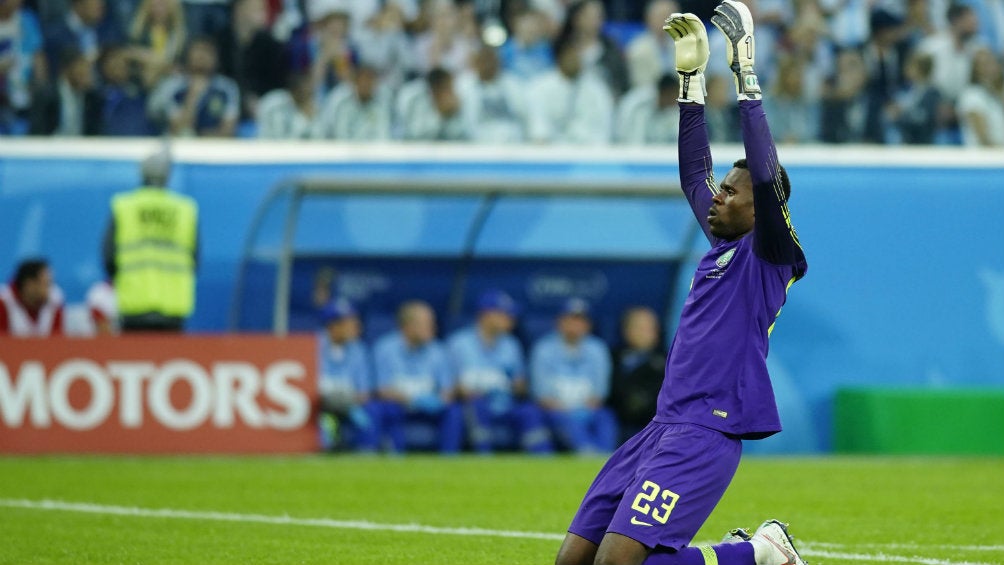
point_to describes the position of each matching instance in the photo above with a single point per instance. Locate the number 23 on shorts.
(651, 492)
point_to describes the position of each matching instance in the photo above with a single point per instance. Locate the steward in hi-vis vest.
(151, 251)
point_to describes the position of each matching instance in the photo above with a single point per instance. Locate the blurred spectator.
(492, 101)
(250, 55)
(848, 21)
(414, 380)
(289, 113)
(844, 104)
(444, 45)
(357, 111)
(794, 115)
(527, 52)
(981, 104)
(720, 110)
(102, 307)
(570, 105)
(123, 94)
(428, 109)
(883, 55)
(570, 380)
(151, 251)
(917, 22)
(652, 54)
(349, 415)
(198, 101)
(951, 52)
(23, 67)
(84, 27)
(31, 305)
(491, 374)
(990, 14)
(207, 17)
(599, 53)
(363, 11)
(70, 106)
(555, 11)
(159, 33)
(807, 41)
(649, 114)
(328, 47)
(639, 366)
(384, 45)
(916, 110)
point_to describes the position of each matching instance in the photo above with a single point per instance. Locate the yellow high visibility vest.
(155, 241)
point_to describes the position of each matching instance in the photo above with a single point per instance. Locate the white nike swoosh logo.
(638, 522)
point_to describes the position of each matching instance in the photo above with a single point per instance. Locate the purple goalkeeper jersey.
(716, 370)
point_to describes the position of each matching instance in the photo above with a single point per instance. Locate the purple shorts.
(660, 486)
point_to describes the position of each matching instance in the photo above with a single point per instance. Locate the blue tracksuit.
(422, 375)
(345, 374)
(571, 377)
(487, 372)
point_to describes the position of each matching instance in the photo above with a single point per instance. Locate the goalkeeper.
(656, 491)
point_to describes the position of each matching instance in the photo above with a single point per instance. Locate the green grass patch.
(947, 510)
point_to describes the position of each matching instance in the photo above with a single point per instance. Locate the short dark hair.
(669, 81)
(438, 78)
(782, 174)
(29, 269)
(69, 56)
(956, 10)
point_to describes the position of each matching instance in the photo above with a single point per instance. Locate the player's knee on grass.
(576, 550)
(616, 549)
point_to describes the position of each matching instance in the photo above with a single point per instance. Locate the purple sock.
(723, 554)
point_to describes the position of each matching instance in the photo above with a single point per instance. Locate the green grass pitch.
(362, 510)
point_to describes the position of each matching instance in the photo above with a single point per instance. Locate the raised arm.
(774, 238)
(696, 177)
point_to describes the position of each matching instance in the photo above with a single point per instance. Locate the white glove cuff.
(692, 87)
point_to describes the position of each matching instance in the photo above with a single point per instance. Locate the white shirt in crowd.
(978, 100)
(951, 67)
(343, 116)
(494, 112)
(649, 57)
(419, 120)
(641, 122)
(575, 111)
(280, 118)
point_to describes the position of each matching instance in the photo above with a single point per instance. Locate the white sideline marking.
(914, 546)
(882, 557)
(89, 508)
(809, 548)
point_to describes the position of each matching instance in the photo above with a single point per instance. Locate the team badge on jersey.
(725, 258)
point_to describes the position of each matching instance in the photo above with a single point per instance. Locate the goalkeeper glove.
(735, 21)
(691, 40)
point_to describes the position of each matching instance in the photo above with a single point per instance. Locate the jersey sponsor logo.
(720, 413)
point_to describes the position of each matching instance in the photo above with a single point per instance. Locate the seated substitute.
(638, 364)
(652, 496)
(414, 382)
(348, 417)
(491, 374)
(570, 379)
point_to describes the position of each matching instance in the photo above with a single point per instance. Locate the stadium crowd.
(493, 71)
